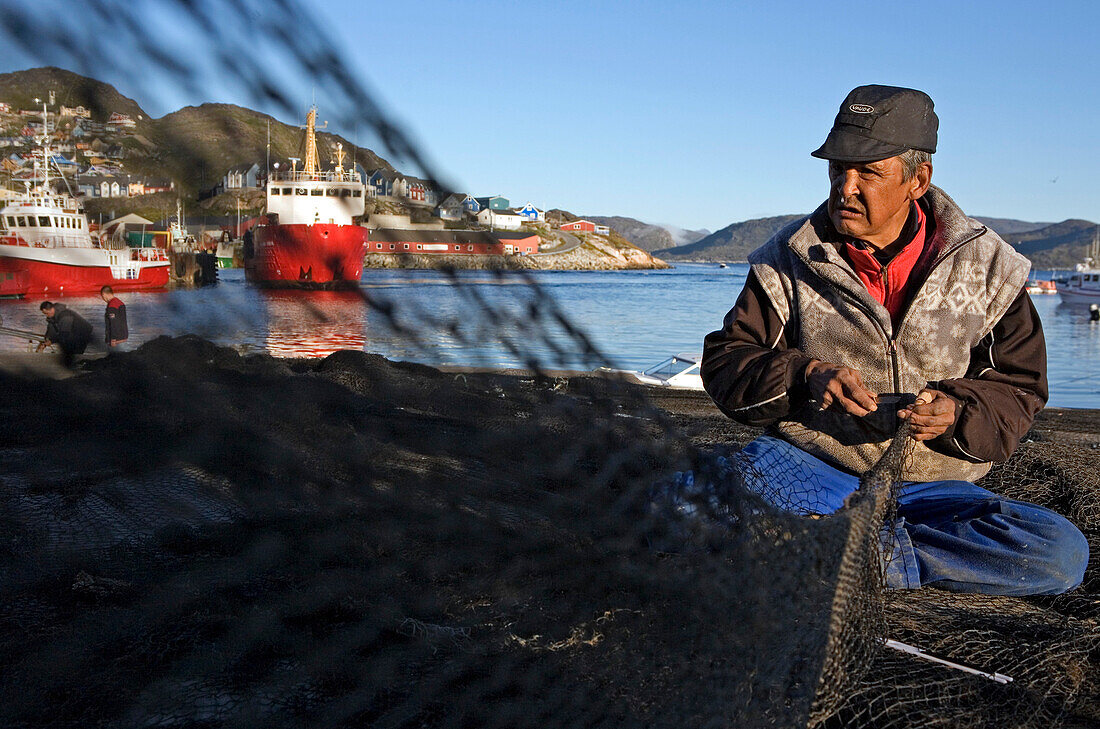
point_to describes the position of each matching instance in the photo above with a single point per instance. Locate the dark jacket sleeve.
(1004, 389)
(121, 329)
(748, 367)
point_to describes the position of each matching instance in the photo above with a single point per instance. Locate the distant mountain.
(648, 236)
(1048, 245)
(1007, 226)
(1061, 245)
(732, 243)
(194, 146)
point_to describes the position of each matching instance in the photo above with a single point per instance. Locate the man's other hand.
(839, 388)
(931, 415)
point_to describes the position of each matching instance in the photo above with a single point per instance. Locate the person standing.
(114, 318)
(65, 328)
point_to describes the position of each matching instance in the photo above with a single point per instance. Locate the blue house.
(471, 205)
(531, 214)
(380, 183)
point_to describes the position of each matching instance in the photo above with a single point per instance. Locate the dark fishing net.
(199, 538)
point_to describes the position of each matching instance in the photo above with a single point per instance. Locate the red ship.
(46, 247)
(308, 239)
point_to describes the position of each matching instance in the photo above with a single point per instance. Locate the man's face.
(48, 313)
(870, 200)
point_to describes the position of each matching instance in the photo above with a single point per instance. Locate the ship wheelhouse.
(333, 198)
(46, 222)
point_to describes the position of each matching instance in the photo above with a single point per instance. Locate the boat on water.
(680, 371)
(307, 239)
(1038, 286)
(1083, 285)
(47, 247)
(226, 253)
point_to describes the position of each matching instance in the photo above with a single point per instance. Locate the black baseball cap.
(878, 122)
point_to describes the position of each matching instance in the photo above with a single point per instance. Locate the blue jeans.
(949, 534)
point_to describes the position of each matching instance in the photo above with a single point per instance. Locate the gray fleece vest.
(975, 278)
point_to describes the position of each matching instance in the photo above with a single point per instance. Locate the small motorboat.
(681, 371)
(1041, 287)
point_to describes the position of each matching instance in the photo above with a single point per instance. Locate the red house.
(452, 242)
(586, 226)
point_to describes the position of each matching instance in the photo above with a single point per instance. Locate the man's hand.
(931, 415)
(839, 388)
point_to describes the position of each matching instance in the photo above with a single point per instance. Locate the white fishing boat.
(1083, 285)
(47, 247)
(680, 371)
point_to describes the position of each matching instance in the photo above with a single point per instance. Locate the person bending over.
(65, 328)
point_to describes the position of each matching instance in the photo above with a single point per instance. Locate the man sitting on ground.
(889, 288)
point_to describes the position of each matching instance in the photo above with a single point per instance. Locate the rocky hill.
(1008, 226)
(194, 146)
(648, 236)
(21, 88)
(732, 243)
(1061, 245)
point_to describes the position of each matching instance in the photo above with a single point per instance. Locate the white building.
(499, 219)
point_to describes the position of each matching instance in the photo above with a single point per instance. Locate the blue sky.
(700, 114)
(704, 113)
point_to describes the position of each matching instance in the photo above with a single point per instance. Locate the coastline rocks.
(584, 258)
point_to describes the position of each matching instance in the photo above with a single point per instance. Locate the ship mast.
(44, 140)
(310, 166)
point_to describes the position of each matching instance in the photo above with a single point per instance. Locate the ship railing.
(326, 176)
(55, 240)
(148, 254)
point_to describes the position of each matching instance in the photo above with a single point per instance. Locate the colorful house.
(505, 219)
(495, 202)
(580, 226)
(531, 214)
(380, 183)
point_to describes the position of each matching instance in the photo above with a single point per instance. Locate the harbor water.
(633, 319)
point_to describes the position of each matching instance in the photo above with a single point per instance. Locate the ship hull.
(71, 271)
(322, 256)
(1080, 295)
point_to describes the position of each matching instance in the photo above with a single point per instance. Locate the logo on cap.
(862, 109)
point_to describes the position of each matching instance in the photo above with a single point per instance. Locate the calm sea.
(633, 319)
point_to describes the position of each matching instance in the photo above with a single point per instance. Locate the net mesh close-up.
(196, 537)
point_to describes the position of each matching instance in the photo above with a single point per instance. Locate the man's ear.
(920, 182)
